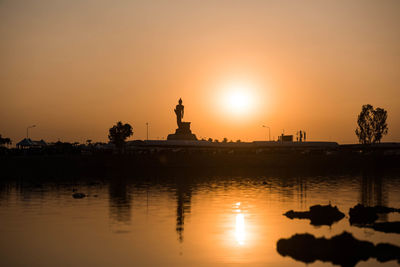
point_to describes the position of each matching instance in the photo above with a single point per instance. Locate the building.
(285, 138)
(28, 143)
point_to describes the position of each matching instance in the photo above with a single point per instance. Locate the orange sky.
(74, 68)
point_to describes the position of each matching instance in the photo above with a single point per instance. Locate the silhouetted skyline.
(75, 68)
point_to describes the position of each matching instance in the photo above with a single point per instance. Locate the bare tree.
(371, 124)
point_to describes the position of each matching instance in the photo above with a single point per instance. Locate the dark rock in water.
(343, 249)
(387, 227)
(291, 214)
(383, 209)
(360, 214)
(387, 252)
(319, 215)
(78, 195)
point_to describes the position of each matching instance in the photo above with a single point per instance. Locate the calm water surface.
(178, 221)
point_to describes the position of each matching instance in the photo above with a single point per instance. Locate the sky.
(75, 68)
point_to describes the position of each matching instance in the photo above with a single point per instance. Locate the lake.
(181, 219)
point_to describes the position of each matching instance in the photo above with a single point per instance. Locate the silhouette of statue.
(179, 110)
(183, 132)
(183, 197)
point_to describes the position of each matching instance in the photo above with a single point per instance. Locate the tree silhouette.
(119, 133)
(5, 141)
(371, 124)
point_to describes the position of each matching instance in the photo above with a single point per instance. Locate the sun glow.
(239, 98)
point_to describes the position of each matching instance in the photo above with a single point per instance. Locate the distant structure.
(285, 138)
(28, 143)
(183, 132)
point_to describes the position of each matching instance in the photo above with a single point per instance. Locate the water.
(178, 220)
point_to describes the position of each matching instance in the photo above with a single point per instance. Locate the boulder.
(362, 215)
(343, 249)
(318, 214)
(78, 195)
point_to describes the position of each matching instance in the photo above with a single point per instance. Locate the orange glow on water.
(240, 231)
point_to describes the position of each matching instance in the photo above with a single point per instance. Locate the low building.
(29, 143)
(285, 138)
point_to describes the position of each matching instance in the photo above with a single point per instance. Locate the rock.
(318, 214)
(342, 249)
(362, 215)
(387, 227)
(383, 209)
(78, 195)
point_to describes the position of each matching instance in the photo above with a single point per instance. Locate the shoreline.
(192, 162)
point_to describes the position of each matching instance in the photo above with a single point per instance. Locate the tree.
(371, 124)
(210, 139)
(119, 133)
(225, 140)
(5, 141)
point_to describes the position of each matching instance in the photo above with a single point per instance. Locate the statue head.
(180, 101)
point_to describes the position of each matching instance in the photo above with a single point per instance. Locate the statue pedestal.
(182, 133)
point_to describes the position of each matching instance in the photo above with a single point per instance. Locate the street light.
(147, 131)
(269, 132)
(27, 130)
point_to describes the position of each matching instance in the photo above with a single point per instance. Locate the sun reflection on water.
(240, 233)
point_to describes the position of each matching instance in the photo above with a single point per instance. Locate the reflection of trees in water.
(289, 188)
(372, 190)
(183, 199)
(5, 190)
(120, 201)
(302, 191)
(29, 190)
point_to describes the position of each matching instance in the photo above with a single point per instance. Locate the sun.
(239, 99)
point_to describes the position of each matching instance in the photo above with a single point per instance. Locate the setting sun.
(239, 99)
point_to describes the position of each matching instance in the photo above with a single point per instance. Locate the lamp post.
(147, 131)
(269, 132)
(27, 130)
